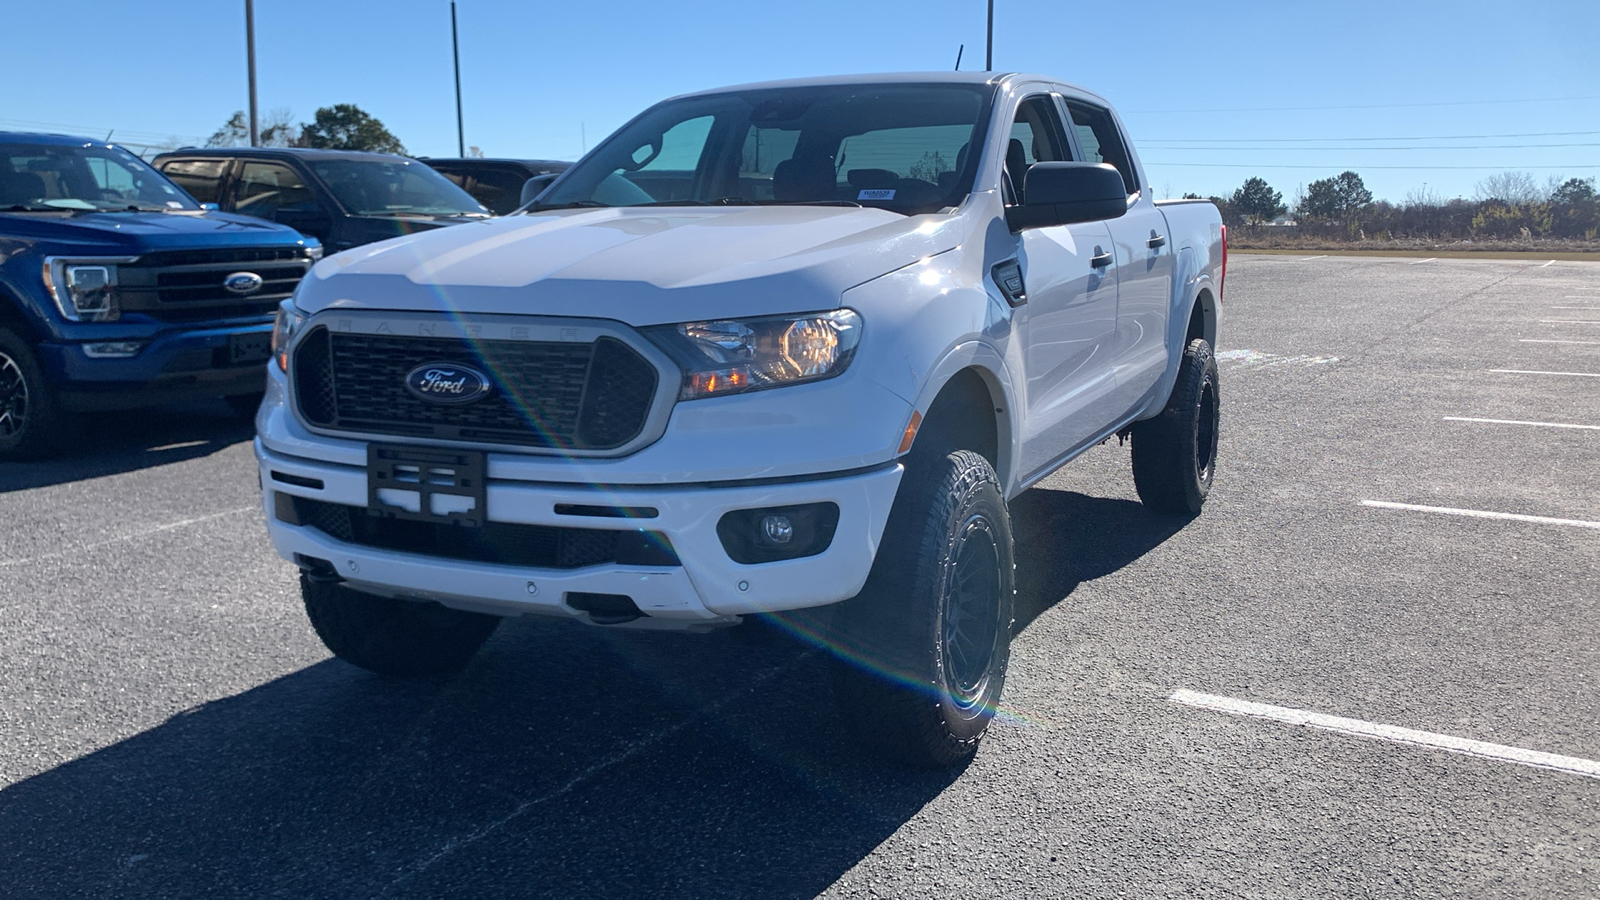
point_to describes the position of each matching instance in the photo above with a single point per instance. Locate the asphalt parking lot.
(170, 726)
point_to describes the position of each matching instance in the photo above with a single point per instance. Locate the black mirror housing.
(1066, 193)
(533, 187)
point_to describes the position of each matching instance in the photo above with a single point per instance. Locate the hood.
(641, 266)
(132, 233)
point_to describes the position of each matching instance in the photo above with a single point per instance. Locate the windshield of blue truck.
(376, 187)
(82, 177)
(902, 147)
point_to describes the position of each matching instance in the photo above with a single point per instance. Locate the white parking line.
(1529, 372)
(1569, 321)
(1579, 308)
(1394, 734)
(1516, 422)
(75, 551)
(1479, 514)
(1548, 264)
(1550, 341)
(1418, 262)
(1310, 258)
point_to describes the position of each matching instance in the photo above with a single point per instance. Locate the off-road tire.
(1175, 453)
(401, 638)
(920, 654)
(30, 418)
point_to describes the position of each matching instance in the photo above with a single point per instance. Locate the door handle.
(1100, 259)
(1157, 241)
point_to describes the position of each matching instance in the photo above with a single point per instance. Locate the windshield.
(379, 187)
(48, 177)
(902, 147)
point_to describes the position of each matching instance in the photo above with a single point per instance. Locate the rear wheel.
(1175, 453)
(29, 417)
(393, 637)
(922, 651)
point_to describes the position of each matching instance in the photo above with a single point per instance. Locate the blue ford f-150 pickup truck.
(117, 289)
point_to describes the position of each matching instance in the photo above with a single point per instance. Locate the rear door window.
(263, 188)
(1100, 141)
(202, 178)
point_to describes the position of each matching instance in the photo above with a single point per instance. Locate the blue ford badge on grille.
(243, 282)
(448, 383)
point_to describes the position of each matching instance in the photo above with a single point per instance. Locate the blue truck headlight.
(735, 355)
(85, 290)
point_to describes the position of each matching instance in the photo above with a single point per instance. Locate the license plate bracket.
(249, 348)
(427, 484)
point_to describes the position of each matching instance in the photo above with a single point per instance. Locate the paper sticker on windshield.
(876, 195)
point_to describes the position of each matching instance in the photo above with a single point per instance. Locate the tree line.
(1510, 205)
(343, 126)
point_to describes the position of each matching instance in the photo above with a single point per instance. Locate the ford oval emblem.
(242, 282)
(448, 383)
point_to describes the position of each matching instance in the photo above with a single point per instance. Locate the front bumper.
(173, 365)
(706, 590)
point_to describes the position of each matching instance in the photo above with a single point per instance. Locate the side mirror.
(533, 187)
(1065, 193)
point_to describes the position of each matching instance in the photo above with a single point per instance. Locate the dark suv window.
(202, 178)
(264, 188)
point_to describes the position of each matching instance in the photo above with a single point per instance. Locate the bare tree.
(1516, 188)
(1422, 196)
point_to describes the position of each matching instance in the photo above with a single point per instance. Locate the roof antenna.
(958, 56)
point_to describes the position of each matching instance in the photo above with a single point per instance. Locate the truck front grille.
(501, 543)
(546, 394)
(187, 285)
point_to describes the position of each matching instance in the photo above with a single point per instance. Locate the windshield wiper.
(818, 203)
(464, 215)
(720, 201)
(29, 207)
(576, 204)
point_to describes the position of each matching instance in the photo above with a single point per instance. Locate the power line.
(1426, 137)
(1416, 168)
(1366, 106)
(1371, 149)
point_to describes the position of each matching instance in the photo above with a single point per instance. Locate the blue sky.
(1413, 94)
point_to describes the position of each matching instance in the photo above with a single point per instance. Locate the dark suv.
(496, 183)
(344, 198)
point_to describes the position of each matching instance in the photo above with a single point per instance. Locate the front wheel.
(393, 637)
(921, 652)
(29, 416)
(1175, 453)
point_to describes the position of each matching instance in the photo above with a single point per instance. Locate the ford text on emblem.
(447, 383)
(242, 282)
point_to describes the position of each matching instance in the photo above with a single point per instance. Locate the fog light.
(752, 536)
(112, 349)
(777, 529)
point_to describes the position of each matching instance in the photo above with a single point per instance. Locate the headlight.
(734, 355)
(85, 290)
(283, 328)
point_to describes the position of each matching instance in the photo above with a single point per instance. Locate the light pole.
(455, 50)
(250, 57)
(988, 53)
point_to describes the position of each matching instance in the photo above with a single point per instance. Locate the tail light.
(1223, 279)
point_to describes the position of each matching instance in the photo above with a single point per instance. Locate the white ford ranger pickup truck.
(766, 350)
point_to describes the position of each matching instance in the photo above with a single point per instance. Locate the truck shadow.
(1064, 538)
(567, 762)
(124, 441)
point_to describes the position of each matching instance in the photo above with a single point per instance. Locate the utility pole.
(988, 54)
(250, 57)
(455, 49)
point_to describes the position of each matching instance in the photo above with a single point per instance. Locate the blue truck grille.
(187, 285)
(546, 394)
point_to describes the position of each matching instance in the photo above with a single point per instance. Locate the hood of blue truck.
(641, 266)
(133, 233)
